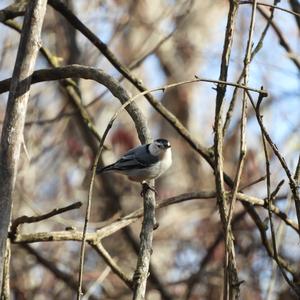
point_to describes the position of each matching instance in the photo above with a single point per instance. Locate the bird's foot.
(145, 187)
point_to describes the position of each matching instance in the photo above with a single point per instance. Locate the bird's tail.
(105, 169)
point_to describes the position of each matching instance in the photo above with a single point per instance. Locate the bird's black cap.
(164, 142)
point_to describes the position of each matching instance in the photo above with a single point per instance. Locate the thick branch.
(12, 132)
(230, 272)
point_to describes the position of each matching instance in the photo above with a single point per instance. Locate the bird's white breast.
(166, 160)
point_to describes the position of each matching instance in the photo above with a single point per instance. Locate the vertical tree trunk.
(12, 132)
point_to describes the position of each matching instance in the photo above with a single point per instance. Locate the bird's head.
(159, 147)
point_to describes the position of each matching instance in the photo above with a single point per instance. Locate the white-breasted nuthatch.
(143, 162)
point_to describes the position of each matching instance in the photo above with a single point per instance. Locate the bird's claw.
(145, 187)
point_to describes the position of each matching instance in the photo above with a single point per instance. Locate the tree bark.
(12, 132)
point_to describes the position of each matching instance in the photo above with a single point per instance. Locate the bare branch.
(243, 146)
(296, 10)
(25, 219)
(12, 133)
(85, 72)
(110, 262)
(242, 74)
(115, 226)
(293, 184)
(231, 288)
(297, 15)
(243, 149)
(282, 40)
(49, 265)
(14, 10)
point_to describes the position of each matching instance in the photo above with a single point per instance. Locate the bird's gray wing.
(137, 158)
(121, 165)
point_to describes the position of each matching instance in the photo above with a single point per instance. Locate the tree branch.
(25, 219)
(282, 41)
(12, 132)
(293, 184)
(49, 265)
(230, 288)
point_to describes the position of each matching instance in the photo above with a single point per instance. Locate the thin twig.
(282, 40)
(243, 146)
(295, 5)
(273, 7)
(111, 263)
(195, 277)
(243, 119)
(258, 202)
(246, 186)
(297, 172)
(50, 265)
(270, 197)
(85, 72)
(12, 11)
(58, 117)
(280, 235)
(230, 272)
(292, 182)
(99, 281)
(262, 230)
(242, 74)
(25, 219)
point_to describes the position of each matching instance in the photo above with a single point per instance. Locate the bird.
(142, 163)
